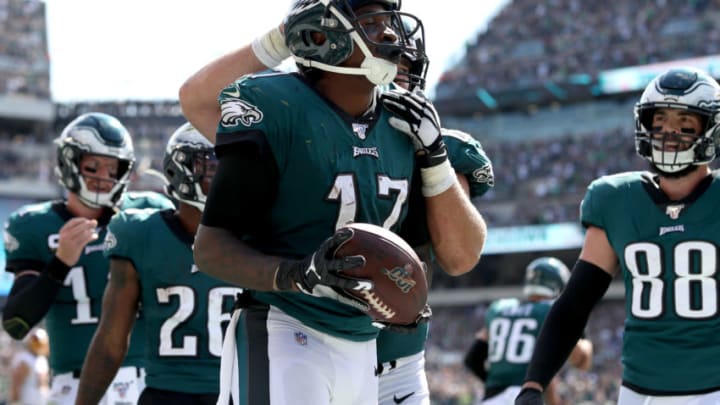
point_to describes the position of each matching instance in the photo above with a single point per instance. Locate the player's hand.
(529, 396)
(318, 274)
(417, 118)
(422, 318)
(72, 238)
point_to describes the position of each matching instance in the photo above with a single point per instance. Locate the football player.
(658, 228)
(151, 265)
(311, 152)
(500, 354)
(401, 351)
(54, 250)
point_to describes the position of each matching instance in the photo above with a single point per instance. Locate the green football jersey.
(467, 157)
(513, 327)
(185, 311)
(668, 253)
(73, 317)
(333, 169)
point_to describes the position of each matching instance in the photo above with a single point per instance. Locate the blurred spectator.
(452, 331)
(24, 62)
(529, 42)
(30, 372)
(151, 123)
(538, 181)
(30, 156)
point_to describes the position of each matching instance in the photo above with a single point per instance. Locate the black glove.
(422, 318)
(529, 396)
(417, 118)
(318, 274)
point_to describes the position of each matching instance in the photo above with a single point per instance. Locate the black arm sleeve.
(244, 185)
(30, 298)
(475, 358)
(566, 321)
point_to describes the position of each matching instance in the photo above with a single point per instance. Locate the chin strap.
(377, 70)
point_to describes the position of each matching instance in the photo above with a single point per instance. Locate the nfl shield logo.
(360, 130)
(673, 211)
(301, 338)
(121, 388)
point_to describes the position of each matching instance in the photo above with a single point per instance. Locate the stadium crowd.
(532, 42)
(452, 331)
(536, 182)
(24, 62)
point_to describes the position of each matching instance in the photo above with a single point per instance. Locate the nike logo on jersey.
(403, 398)
(668, 229)
(194, 269)
(234, 93)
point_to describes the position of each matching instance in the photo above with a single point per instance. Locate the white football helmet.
(688, 89)
(95, 134)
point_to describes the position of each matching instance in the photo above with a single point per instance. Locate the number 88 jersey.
(668, 252)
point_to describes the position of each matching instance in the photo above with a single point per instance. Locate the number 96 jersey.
(185, 311)
(31, 238)
(668, 253)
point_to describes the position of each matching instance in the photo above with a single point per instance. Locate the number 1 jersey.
(31, 238)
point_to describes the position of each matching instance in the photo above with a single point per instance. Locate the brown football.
(400, 285)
